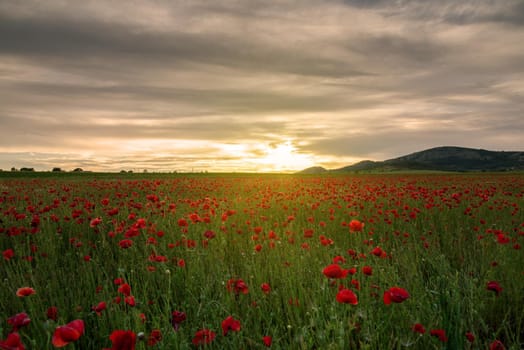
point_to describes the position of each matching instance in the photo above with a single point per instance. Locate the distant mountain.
(445, 158)
(363, 165)
(464, 159)
(314, 170)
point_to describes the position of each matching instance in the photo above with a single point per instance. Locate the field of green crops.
(392, 261)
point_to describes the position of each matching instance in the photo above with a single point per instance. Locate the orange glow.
(283, 157)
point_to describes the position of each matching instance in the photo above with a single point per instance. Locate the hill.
(446, 158)
(314, 170)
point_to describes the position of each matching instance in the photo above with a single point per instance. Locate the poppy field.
(244, 261)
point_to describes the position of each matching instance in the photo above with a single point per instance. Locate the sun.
(283, 157)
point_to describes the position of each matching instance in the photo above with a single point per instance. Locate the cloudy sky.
(255, 85)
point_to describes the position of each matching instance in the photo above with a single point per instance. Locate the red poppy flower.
(95, 222)
(8, 254)
(12, 342)
(494, 286)
(203, 336)
(377, 251)
(367, 270)
(25, 291)
(125, 289)
(237, 286)
(325, 241)
(35, 221)
(230, 324)
(502, 238)
(209, 234)
(339, 259)
(470, 337)
(125, 243)
(112, 212)
(154, 337)
(52, 313)
(140, 223)
(68, 333)
(335, 271)
(440, 334)
(266, 288)
(396, 295)
(497, 345)
(123, 340)
(355, 284)
(356, 225)
(130, 300)
(267, 340)
(177, 317)
(418, 328)
(346, 296)
(18, 321)
(99, 308)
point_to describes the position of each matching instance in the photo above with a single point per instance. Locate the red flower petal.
(347, 296)
(123, 340)
(68, 333)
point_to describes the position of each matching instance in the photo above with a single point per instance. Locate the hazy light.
(283, 157)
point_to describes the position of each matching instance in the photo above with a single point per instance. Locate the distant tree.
(13, 169)
(78, 170)
(123, 171)
(57, 170)
(27, 169)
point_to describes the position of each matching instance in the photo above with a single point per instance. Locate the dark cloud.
(504, 12)
(367, 3)
(98, 45)
(466, 12)
(387, 145)
(53, 133)
(219, 100)
(396, 53)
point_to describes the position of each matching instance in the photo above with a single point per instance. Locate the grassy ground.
(179, 241)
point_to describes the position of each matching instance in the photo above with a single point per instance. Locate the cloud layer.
(227, 85)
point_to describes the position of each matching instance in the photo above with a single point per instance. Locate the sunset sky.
(255, 85)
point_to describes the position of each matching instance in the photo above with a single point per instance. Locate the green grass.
(428, 224)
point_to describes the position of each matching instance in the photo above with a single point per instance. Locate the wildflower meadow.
(245, 261)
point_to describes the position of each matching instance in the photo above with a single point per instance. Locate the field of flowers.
(393, 261)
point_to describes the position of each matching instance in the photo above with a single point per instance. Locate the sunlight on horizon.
(283, 157)
(165, 155)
